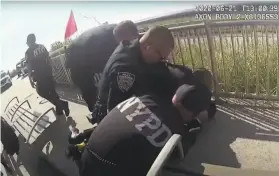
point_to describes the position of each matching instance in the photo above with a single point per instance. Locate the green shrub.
(236, 71)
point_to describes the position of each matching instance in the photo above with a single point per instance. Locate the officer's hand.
(99, 112)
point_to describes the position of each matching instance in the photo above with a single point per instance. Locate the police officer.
(172, 76)
(130, 68)
(40, 71)
(127, 141)
(88, 54)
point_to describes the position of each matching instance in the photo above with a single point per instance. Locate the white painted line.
(266, 134)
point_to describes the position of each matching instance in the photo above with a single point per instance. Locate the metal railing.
(242, 55)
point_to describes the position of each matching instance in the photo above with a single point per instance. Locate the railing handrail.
(226, 23)
(57, 51)
(15, 98)
(201, 24)
(37, 121)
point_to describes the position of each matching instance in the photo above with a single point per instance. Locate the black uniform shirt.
(38, 61)
(124, 75)
(92, 49)
(129, 138)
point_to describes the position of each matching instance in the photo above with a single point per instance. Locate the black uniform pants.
(84, 80)
(46, 88)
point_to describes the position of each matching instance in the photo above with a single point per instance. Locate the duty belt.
(98, 157)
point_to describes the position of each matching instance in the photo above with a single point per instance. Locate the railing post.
(212, 59)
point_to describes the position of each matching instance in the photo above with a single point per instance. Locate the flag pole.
(71, 29)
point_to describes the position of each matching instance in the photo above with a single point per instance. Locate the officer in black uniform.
(88, 54)
(131, 69)
(40, 71)
(127, 141)
(170, 77)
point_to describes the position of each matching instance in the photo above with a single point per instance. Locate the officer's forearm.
(113, 99)
(29, 68)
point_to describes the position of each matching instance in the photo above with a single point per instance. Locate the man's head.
(156, 44)
(125, 30)
(31, 40)
(191, 99)
(204, 76)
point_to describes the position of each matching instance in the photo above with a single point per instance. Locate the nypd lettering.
(39, 51)
(146, 122)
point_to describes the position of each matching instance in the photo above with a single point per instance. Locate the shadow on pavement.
(232, 126)
(52, 160)
(70, 94)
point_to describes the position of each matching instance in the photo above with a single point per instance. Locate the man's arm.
(119, 86)
(30, 70)
(45, 54)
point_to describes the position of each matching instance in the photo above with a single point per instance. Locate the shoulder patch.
(125, 81)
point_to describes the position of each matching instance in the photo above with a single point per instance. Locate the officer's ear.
(175, 101)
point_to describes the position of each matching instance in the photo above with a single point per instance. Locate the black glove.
(77, 139)
(82, 137)
(99, 112)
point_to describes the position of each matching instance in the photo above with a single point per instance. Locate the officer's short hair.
(194, 98)
(160, 35)
(31, 38)
(125, 29)
(204, 76)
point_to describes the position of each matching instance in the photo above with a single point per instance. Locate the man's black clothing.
(92, 49)
(87, 56)
(129, 138)
(37, 58)
(84, 79)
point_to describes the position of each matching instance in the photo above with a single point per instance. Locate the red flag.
(71, 26)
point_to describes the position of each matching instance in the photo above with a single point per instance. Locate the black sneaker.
(66, 108)
(211, 111)
(193, 126)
